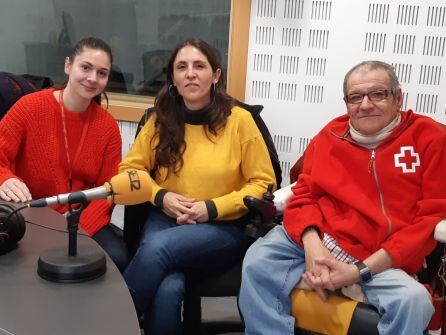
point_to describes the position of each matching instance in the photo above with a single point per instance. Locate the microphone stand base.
(57, 266)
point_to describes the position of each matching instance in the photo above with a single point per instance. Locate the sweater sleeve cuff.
(160, 197)
(7, 176)
(212, 209)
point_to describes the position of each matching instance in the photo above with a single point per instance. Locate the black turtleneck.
(195, 117)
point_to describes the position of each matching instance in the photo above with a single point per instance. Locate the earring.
(171, 87)
(214, 87)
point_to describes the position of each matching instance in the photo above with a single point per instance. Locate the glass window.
(36, 36)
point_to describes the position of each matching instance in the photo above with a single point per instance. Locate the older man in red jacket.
(372, 189)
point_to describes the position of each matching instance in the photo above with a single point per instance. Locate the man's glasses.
(356, 98)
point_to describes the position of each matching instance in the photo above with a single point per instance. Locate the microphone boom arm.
(73, 217)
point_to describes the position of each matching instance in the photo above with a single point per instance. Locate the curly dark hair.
(169, 114)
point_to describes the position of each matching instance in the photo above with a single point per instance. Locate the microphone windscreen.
(130, 187)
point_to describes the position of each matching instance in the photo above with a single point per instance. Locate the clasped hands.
(323, 272)
(184, 210)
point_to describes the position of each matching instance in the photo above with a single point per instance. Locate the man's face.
(378, 108)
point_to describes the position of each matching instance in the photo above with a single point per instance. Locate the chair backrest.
(12, 88)
(255, 112)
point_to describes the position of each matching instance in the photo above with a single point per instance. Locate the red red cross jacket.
(390, 197)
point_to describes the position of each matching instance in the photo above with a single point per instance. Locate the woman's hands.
(175, 205)
(15, 190)
(198, 213)
(185, 210)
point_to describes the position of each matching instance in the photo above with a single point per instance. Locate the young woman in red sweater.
(58, 141)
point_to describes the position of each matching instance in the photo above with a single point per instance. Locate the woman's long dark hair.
(169, 114)
(95, 44)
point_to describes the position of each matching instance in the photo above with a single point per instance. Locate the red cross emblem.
(407, 159)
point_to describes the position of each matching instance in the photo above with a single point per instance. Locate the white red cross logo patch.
(407, 159)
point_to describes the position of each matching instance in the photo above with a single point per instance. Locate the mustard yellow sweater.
(233, 165)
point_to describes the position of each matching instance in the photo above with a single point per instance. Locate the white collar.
(372, 141)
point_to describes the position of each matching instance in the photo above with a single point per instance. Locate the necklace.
(65, 135)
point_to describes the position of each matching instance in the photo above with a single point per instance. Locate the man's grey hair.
(371, 65)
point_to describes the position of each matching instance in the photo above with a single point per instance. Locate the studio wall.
(300, 50)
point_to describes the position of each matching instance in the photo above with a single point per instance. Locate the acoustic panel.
(287, 91)
(289, 64)
(321, 10)
(286, 167)
(436, 16)
(265, 35)
(434, 46)
(405, 99)
(128, 132)
(291, 37)
(315, 66)
(407, 15)
(426, 103)
(313, 94)
(266, 8)
(263, 62)
(378, 13)
(283, 143)
(293, 9)
(403, 44)
(261, 89)
(300, 50)
(303, 143)
(375, 42)
(318, 39)
(430, 75)
(403, 71)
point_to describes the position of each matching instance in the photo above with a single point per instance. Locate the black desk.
(32, 305)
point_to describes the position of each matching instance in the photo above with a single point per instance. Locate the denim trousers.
(274, 264)
(156, 274)
(113, 245)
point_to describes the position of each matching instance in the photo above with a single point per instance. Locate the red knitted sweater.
(32, 149)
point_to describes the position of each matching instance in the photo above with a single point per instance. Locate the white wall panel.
(128, 131)
(300, 50)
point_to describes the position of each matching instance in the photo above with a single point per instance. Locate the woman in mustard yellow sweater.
(205, 155)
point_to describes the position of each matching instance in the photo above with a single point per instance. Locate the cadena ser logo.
(135, 183)
(407, 159)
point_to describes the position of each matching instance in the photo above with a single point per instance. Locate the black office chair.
(220, 284)
(13, 87)
(119, 81)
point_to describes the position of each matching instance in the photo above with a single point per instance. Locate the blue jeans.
(155, 276)
(274, 264)
(113, 245)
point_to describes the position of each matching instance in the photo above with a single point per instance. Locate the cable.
(15, 211)
(7, 332)
(54, 229)
(33, 223)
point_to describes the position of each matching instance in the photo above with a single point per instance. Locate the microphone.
(130, 187)
(56, 264)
